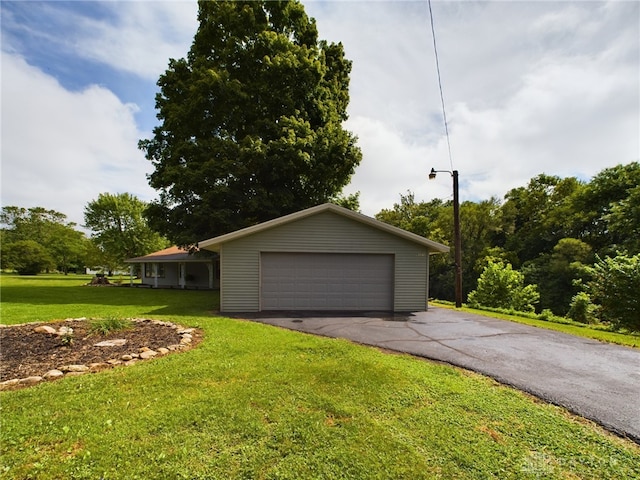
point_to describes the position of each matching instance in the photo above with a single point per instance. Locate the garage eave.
(214, 244)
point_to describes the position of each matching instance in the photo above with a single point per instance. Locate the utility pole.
(457, 239)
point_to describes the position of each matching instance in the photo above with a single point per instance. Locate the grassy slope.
(596, 332)
(254, 401)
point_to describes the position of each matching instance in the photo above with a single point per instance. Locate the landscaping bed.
(32, 350)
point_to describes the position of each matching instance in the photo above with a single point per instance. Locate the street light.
(456, 231)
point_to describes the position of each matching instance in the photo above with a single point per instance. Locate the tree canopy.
(120, 229)
(37, 239)
(27, 257)
(551, 230)
(615, 285)
(251, 122)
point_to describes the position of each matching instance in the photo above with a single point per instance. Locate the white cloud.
(571, 118)
(136, 37)
(141, 38)
(530, 87)
(60, 149)
(393, 166)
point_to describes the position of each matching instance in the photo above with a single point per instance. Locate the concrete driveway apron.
(596, 380)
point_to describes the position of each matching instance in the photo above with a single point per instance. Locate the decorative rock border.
(144, 353)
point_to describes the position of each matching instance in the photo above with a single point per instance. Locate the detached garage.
(323, 258)
(326, 281)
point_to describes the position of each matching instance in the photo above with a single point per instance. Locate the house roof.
(169, 255)
(214, 244)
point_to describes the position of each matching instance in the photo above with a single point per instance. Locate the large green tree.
(120, 229)
(608, 212)
(421, 218)
(27, 257)
(61, 244)
(559, 274)
(615, 287)
(538, 216)
(30, 223)
(623, 221)
(251, 122)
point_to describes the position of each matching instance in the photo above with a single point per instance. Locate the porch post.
(211, 269)
(155, 274)
(131, 275)
(182, 273)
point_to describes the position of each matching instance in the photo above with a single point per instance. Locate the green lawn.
(596, 332)
(258, 402)
(48, 297)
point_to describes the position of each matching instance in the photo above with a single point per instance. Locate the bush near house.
(500, 286)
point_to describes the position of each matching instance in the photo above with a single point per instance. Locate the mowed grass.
(596, 332)
(49, 297)
(258, 402)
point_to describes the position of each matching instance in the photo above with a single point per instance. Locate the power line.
(444, 112)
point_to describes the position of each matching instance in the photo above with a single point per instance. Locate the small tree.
(119, 227)
(500, 286)
(582, 308)
(615, 286)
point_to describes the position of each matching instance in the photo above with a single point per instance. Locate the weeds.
(106, 325)
(66, 339)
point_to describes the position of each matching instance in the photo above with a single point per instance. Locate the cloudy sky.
(529, 87)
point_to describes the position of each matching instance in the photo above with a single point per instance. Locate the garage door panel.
(326, 281)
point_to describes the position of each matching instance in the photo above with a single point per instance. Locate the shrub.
(546, 315)
(582, 309)
(502, 287)
(66, 339)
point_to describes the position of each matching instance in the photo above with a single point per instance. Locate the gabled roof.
(215, 243)
(169, 255)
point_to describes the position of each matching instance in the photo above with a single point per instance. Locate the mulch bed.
(25, 353)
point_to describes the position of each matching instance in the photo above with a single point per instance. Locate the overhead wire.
(444, 112)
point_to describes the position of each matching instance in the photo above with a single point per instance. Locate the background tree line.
(251, 128)
(36, 240)
(560, 234)
(566, 246)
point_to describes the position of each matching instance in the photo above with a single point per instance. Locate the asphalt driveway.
(598, 381)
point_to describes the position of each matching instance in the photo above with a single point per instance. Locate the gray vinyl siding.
(323, 232)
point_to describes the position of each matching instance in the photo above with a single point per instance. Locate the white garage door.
(326, 281)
